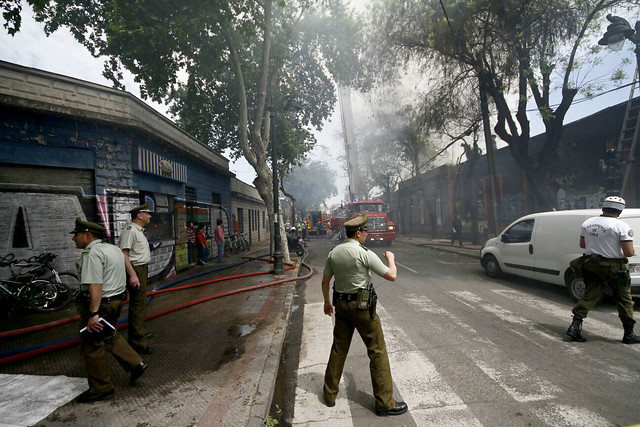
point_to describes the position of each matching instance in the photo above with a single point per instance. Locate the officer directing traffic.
(608, 242)
(102, 294)
(354, 299)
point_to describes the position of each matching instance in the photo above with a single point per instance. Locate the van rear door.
(517, 248)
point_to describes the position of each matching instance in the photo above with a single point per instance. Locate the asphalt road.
(464, 350)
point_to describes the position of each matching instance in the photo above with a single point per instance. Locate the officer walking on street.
(103, 291)
(354, 299)
(608, 242)
(137, 255)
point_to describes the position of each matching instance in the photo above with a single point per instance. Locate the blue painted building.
(71, 148)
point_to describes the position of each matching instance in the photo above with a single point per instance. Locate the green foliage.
(12, 9)
(205, 58)
(311, 184)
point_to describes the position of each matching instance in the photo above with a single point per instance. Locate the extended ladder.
(629, 135)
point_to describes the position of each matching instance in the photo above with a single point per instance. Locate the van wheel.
(491, 266)
(575, 286)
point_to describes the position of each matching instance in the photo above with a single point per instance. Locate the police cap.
(141, 208)
(88, 226)
(356, 223)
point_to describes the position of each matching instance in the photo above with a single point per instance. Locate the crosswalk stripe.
(517, 379)
(314, 353)
(590, 325)
(430, 398)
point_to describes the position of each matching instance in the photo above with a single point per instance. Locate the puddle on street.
(246, 329)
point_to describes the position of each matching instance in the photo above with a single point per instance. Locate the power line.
(585, 99)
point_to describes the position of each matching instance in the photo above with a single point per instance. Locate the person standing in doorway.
(201, 242)
(218, 236)
(351, 263)
(137, 256)
(608, 242)
(191, 242)
(103, 290)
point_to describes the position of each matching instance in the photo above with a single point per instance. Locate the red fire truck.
(380, 228)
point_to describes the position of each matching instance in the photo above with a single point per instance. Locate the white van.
(541, 246)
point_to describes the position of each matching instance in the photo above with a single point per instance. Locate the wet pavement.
(214, 362)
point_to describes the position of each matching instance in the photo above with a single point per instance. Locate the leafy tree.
(225, 66)
(505, 46)
(311, 184)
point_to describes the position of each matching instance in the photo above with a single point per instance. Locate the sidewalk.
(214, 363)
(444, 245)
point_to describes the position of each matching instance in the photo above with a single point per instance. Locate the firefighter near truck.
(379, 228)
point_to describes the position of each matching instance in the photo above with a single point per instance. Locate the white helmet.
(614, 202)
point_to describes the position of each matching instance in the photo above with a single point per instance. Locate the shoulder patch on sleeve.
(631, 233)
(128, 228)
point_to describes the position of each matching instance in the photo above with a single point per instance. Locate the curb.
(264, 394)
(471, 252)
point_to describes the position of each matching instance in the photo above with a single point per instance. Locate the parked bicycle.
(236, 243)
(35, 284)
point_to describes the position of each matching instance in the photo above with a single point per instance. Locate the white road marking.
(430, 399)
(589, 325)
(27, 399)
(404, 266)
(564, 415)
(316, 342)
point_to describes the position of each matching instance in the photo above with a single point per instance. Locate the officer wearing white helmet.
(608, 242)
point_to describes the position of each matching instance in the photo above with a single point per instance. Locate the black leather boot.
(575, 329)
(629, 337)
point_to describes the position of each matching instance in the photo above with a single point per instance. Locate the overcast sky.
(61, 54)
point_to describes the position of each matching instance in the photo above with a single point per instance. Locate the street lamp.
(617, 32)
(278, 264)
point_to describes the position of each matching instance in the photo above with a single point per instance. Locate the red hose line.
(43, 350)
(36, 328)
(53, 324)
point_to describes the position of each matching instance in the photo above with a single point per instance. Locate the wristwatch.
(93, 313)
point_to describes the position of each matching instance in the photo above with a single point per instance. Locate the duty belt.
(106, 300)
(346, 297)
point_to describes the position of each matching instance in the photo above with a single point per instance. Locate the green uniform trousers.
(137, 331)
(620, 284)
(348, 318)
(94, 350)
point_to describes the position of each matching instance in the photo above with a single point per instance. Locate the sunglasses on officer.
(363, 229)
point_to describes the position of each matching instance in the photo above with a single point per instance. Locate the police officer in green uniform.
(608, 242)
(351, 263)
(137, 255)
(102, 285)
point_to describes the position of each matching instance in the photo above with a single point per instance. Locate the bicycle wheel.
(70, 280)
(42, 295)
(227, 249)
(247, 246)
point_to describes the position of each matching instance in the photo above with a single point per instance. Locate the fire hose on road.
(14, 355)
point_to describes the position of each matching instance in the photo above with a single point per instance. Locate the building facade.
(70, 148)
(426, 204)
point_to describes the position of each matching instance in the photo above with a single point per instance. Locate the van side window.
(519, 233)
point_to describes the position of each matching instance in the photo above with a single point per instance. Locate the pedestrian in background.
(102, 277)
(201, 242)
(351, 263)
(608, 242)
(137, 255)
(218, 236)
(191, 242)
(456, 230)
